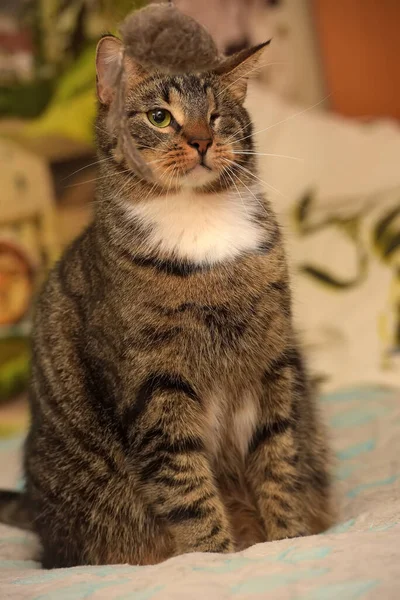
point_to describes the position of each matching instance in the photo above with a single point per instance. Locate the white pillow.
(348, 177)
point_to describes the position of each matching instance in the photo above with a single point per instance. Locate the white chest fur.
(244, 424)
(202, 228)
(234, 424)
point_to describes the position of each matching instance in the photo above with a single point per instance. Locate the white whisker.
(240, 195)
(258, 178)
(97, 162)
(109, 175)
(282, 121)
(256, 67)
(266, 154)
(244, 76)
(251, 192)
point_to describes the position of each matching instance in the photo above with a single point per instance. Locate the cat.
(171, 411)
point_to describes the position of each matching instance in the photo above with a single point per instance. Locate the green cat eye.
(159, 117)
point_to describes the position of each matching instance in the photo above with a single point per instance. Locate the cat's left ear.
(109, 56)
(235, 70)
(109, 59)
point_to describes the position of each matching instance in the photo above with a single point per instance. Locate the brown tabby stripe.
(196, 510)
(288, 358)
(77, 437)
(178, 269)
(157, 382)
(160, 441)
(216, 530)
(267, 431)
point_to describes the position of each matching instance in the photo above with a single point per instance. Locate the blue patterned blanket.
(358, 558)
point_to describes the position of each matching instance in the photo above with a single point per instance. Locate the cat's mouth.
(199, 174)
(199, 166)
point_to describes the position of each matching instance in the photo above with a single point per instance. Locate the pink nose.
(201, 144)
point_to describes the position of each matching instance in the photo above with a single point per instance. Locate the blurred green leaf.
(302, 209)
(25, 100)
(71, 111)
(80, 77)
(386, 233)
(72, 120)
(327, 279)
(14, 366)
(384, 223)
(393, 243)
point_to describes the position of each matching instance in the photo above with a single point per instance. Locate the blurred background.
(326, 105)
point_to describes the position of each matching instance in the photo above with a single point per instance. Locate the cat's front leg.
(170, 458)
(274, 459)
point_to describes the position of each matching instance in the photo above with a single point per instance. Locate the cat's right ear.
(235, 70)
(109, 57)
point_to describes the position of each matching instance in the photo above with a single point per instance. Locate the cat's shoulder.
(67, 276)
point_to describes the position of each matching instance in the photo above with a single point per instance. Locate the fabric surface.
(358, 558)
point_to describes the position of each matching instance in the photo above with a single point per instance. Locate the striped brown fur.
(171, 408)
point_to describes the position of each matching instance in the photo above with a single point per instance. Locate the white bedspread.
(359, 558)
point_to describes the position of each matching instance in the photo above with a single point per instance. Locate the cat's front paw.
(222, 545)
(286, 530)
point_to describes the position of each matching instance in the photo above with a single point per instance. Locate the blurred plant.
(14, 366)
(62, 94)
(384, 241)
(306, 225)
(71, 110)
(65, 26)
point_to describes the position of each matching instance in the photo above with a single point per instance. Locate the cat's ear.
(235, 70)
(109, 57)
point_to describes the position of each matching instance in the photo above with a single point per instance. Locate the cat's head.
(191, 128)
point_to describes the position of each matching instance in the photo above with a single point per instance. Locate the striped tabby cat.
(171, 410)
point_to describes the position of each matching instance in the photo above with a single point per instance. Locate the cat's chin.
(198, 177)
